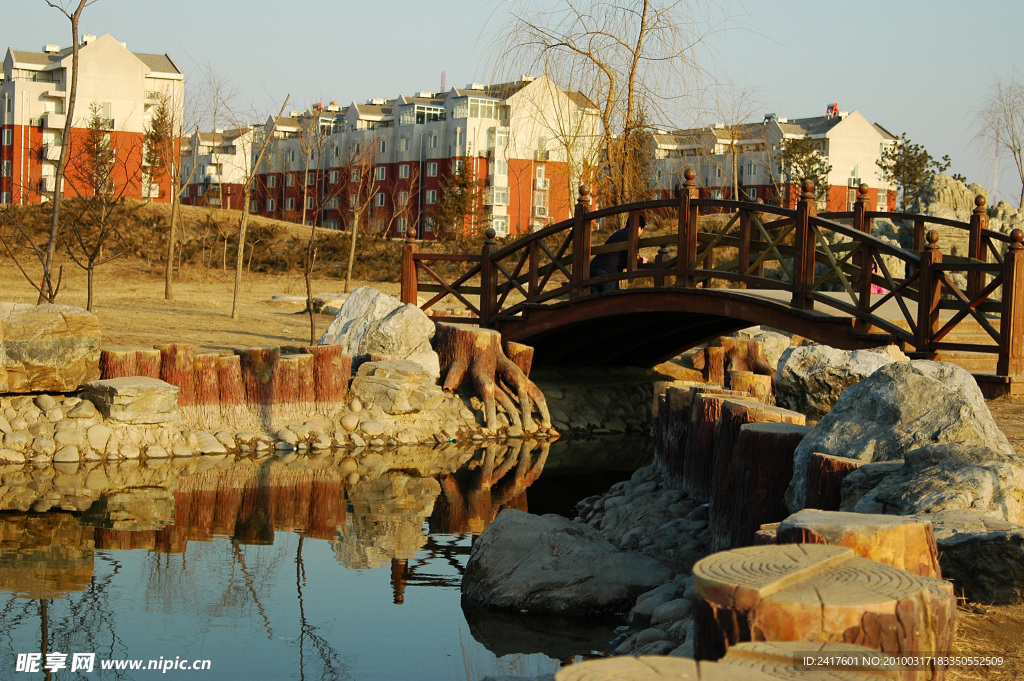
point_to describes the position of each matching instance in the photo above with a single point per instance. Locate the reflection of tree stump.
(825, 474)
(469, 351)
(819, 593)
(906, 543)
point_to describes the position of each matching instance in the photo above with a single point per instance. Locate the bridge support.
(1011, 329)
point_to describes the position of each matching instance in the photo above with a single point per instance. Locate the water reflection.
(230, 552)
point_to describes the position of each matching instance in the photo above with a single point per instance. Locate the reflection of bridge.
(788, 268)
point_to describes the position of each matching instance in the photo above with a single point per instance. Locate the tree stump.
(259, 379)
(820, 593)
(205, 380)
(474, 354)
(148, 363)
(672, 421)
(758, 472)
(176, 369)
(520, 355)
(231, 391)
(705, 408)
(902, 542)
(713, 369)
(332, 371)
(756, 385)
(118, 363)
(825, 475)
(766, 534)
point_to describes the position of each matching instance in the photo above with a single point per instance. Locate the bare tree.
(631, 57)
(1000, 123)
(48, 291)
(362, 185)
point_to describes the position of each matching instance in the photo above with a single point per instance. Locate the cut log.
(825, 475)
(148, 363)
(903, 542)
(766, 534)
(229, 381)
(118, 363)
(705, 408)
(469, 353)
(205, 409)
(758, 471)
(714, 365)
(259, 379)
(757, 386)
(520, 355)
(332, 371)
(176, 369)
(820, 593)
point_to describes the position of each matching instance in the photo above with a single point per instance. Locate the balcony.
(54, 120)
(50, 152)
(55, 93)
(542, 183)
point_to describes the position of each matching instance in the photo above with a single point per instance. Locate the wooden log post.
(286, 389)
(118, 363)
(580, 244)
(259, 379)
(205, 379)
(332, 371)
(231, 391)
(176, 369)
(929, 297)
(488, 280)
(758, 470)
(673, 419)
(803, 259)
(903, 542)
(865, 260)
(825, 474)
(705, 408)
(820, 593)
(410, 283)
(474, 355)
(976, 250)
(148, 363)
(757, 386)
(1011, 323)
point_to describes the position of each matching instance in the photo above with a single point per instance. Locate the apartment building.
(387, 161)
(214, 166)
(743, 160)
(123, 86)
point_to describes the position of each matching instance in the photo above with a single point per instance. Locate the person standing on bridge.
(609, 263)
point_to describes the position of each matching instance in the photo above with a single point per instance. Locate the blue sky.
(917, 67)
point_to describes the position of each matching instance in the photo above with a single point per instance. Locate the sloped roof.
(581, 100)
(817, 126)
(161, 63)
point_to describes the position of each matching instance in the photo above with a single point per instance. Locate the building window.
(332, 202)
(540, 198)
(500, 167)
(289, 180)
(382, 147)
(254, 206)
(310, 179)
(716, 194)
(883, 204)
(460, 137)
(379, 199)
(431, 197)
(271, 181)
(330, 224)
(354, 175)
(403, 144)
(10, 105)
(380, 173)
(289, 204)
(270, 205)
(351, 200)
(457, 166)
(184, 194)
(403, 225)
(310, 203)
(499, 224)
(752, 193)
(432, 169)
(334, 177)
(428, 225)
(5, 197)
(337, 151)
(403, 198)
(540, 172)
(5, 169)
(7, 137)
(403, 171)
(718, 172)
(433, 141)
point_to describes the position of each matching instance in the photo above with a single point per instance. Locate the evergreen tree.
(801, 159)
(910, 167)
(460, 202)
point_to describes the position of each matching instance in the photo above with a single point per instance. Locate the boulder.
(982, 556)
(552, 565)
(810, 378)
(374, 323)
(47, 348)
(899, 408)
(135, 399)
(328, 303)
(396, 386)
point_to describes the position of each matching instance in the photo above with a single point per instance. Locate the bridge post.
(1011, 321)
(659, 266)
(580, 244)
(803, 258)
(410, 292)
(929, 297)
(976, 246)
(488, 281)
(743, 257)
(864, 260)
(687, 234)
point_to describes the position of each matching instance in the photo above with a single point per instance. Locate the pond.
(278, 568)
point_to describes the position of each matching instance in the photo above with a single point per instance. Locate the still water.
(278, 568)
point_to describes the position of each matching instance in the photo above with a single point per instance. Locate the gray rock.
(685, 650)
(672, 611)
(899, 408)
(135, 399)
(66, 454)
(371, 322)
(350, 422)
(662, 647)
(810, 378)
(548, 564)
(371, 427)
(640, 615)
(47, 348)
(982, 556)
(11, 456)
(83, 410)
(397, 387)
(206, 443)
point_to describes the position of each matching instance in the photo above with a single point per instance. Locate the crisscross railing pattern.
(831, 260)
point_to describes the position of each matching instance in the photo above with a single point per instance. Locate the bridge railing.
(817, 259)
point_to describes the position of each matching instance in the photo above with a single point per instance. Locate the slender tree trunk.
(91, 275)
(171, 238)
(352, 251)
(310, 256)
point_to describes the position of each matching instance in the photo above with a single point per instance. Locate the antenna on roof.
(444, 78)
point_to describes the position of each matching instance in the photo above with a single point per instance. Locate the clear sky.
(920, 67)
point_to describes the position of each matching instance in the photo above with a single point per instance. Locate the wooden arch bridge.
(816, 275)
